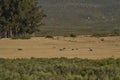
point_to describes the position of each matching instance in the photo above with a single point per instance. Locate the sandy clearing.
(50, 48)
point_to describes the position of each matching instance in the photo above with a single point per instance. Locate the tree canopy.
(19, 17)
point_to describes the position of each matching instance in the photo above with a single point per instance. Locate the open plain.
(41, 47)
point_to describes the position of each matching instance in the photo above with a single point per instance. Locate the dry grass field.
(81, 47)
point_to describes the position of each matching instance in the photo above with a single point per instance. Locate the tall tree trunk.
(11, 32)
(5, 34)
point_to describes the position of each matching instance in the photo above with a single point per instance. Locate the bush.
(21, 37)
(115, 32)
(102, 39)
(59, 69)
(73, 35)
(100, 34)
(49, 36)
(19, 49)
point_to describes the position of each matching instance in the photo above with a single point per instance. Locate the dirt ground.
(81, 47)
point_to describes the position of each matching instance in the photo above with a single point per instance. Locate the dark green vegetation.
(73, 35)
(19, 18)
(49, 36)
(59, 69)
(80, 16)
(115, 32)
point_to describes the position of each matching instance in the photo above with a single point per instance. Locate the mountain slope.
(77, 14)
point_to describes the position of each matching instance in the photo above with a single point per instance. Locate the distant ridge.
(89, 14)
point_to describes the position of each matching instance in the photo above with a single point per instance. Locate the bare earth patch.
(81, 47)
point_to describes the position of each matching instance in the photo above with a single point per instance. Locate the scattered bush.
(21, 37)
(115, 32)
(49, 36)
(76, 48)
(72, 49)
(100, 34)
(62, 49)
(102, 39)
(59, 69)
(90, 49)
(73, 35)
(19, 49)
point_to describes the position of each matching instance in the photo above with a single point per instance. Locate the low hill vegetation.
(80, 16)
(59, 69)
(115, 32)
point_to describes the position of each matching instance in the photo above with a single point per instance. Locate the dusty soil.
(81, 47)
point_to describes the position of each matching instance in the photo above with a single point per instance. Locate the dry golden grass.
(81, 47)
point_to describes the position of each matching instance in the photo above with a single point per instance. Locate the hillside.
(72, 15)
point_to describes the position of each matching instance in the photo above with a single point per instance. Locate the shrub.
(115, 32)
(72, 35)
(19, 49)
(21, 37)
(102, 39)
(49, 36)
(59, 69)
(100, 34)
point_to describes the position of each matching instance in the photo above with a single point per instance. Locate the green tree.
(19, 17)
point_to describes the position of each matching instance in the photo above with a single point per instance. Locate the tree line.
(19, 17)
